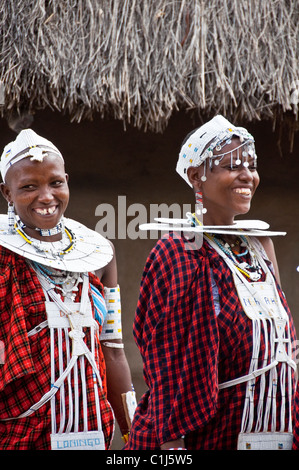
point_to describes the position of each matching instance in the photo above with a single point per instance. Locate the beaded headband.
(27, 144)
(200, 145)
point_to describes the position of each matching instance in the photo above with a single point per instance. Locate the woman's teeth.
(50, 210)
(245, 191)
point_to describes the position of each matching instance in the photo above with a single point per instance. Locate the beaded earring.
(199, 204)
(11, 217)
(200, 210)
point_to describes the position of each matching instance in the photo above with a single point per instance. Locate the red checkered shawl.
(25, 369)
(187, 350)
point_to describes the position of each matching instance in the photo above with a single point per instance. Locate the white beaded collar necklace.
(80, 250)
(44, 232)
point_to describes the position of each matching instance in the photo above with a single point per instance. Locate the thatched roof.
(140, 60)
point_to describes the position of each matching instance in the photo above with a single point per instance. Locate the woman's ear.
(194, 174)
(5, 191)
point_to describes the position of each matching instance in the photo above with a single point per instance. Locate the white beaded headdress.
(200, 144)
(27, 144)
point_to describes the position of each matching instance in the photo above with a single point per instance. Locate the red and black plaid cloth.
(25, 369)
(187, 350)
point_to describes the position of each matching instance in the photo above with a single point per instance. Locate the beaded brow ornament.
(244, 152)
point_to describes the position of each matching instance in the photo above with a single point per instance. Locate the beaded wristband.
(112, 328)
(177, 448)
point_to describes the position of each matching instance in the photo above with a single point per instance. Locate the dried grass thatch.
(140, 60)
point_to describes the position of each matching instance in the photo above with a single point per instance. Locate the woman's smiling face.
(39, 191)
(229, 187)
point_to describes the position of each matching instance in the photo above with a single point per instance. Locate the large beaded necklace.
(65, 245)
(65, 281)
(251, 270)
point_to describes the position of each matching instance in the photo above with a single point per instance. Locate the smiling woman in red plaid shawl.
(60, 322)
(212, 324)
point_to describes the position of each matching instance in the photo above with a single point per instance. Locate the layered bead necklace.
(65, 281)
(252, 269)
(65, 245)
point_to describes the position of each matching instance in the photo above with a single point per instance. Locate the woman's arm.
(177, 444)
(119, 379)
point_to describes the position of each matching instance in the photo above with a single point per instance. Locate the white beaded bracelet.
(113, 345)
(177, 448)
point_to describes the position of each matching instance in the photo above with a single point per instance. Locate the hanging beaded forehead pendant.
(243, 155)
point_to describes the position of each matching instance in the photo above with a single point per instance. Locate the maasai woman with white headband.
(60, 314)
(212, 324)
